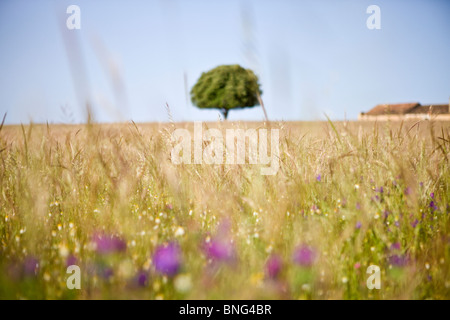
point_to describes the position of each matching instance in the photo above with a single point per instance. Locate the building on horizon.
(407, 111)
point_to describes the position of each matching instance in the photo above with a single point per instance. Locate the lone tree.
(226, 87)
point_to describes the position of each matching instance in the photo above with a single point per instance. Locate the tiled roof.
(433, 109)
(401, 108)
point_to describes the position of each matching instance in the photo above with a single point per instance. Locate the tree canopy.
(226, 87)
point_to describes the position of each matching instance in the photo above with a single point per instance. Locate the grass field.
(108, 199)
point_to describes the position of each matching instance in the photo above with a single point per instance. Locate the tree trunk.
(225, 113)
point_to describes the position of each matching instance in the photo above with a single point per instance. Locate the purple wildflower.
(380, 190)
(398, 260)
(30, 266)
(433, 206)
(319, 178)
(358, 206)
(304, 256)
(432, 195)
(71, 260)
(142, 279)
(414, 223)
(396, 246)
(109, 244)
(220, 249)
(167, 259)
(106, 272)
(407, 191)
(358, 225)
(273, 266)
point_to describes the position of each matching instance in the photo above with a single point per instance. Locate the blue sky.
(131, 57)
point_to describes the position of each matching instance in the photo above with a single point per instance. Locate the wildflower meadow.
(109, 200)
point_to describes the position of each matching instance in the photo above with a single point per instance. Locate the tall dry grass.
(354, 194)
